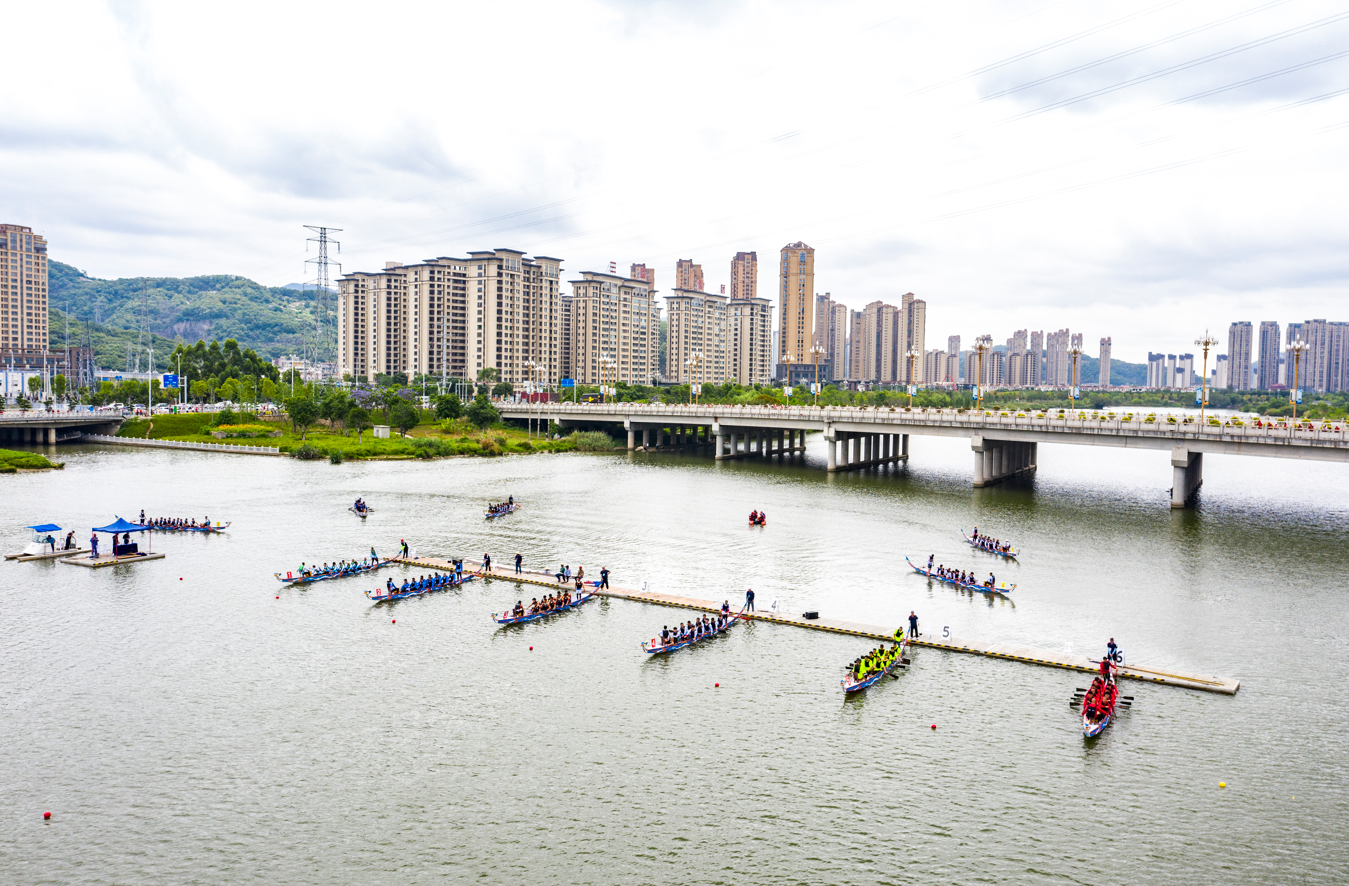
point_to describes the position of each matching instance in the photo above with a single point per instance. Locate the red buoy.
(531, 649)
(180, 578)
(395, 621)
(46, 815)
(934, 725)
(716, 685)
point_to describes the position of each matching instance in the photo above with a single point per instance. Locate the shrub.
(306, 453)
(226, 416)
(335, 457)
(593, 441)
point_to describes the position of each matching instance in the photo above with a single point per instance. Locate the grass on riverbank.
(12, 461)
(429, 439)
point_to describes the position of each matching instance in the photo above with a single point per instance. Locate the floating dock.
(950, 644)
(109, 560)
(49, 555)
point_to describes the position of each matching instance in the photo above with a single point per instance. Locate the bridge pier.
(996, 460)
(1187, 475)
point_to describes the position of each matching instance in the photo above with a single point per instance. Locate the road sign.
(568, 382)
(169, 380)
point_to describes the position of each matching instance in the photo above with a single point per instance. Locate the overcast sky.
(1138, 170)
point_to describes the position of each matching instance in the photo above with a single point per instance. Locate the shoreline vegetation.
(428, 438)
(13, 462)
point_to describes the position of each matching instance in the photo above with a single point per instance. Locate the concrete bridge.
(55, 427)
(1004, 442)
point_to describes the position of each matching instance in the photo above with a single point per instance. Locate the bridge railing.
(1180, 428)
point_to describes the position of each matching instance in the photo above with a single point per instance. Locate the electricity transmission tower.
(324, 345)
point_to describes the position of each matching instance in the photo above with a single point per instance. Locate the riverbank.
(12, 462)
(429, 439)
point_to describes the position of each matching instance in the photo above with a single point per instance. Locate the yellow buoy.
(1222, 784)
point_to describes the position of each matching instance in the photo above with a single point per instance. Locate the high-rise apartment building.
(1018, 359)
(1294, 367)
(836, 341)
(437, 317)
(1239, 341)
(1185, 375)
(745, 275)
(883, 337)
(796, 309)
(1221, 378)
(1058, 365)
(495, 309)
(1036, 366)
(643, 273)
(23, 291)
(688, 276)
(1156, 371)
(1103, 368)
(698, 333)
(373, 323)
(1337, 360)
(831, 336)
(615, 330)
(915, 338)
(856, 331)
(564, 347)
(750, 321)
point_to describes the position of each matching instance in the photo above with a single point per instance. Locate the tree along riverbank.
(428, 438)
(12, 461)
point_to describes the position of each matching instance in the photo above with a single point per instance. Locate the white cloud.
(172, 138)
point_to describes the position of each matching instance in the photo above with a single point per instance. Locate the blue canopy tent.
(119, 527)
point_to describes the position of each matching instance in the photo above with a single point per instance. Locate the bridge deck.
(993, 650)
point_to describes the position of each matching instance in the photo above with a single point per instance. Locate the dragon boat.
(292, 579)
(377, 596)
(851, 684)
(655, 648)
(509, 509)
(1003, 589)
(503, 618)
(1010, 554)
(214, 527)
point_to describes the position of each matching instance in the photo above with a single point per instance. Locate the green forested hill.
(268, 319)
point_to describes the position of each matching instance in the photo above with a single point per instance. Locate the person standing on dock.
(1111, 650)
(604, 577)
(749, 599)
(519, 558)
(913, 623)
(404, 547)
(93, 543)
(486, 562)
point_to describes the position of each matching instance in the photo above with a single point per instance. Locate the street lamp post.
(694, 364)
(912, 355)
(1206, 342)
(1075, 352)
(1298, 348)
(787, 361)
(606, 365)
(815, 353)
(982, 345)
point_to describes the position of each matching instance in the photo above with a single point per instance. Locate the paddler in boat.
(930, 558)
(1105, 671)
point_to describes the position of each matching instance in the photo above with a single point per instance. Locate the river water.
(184, 725)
